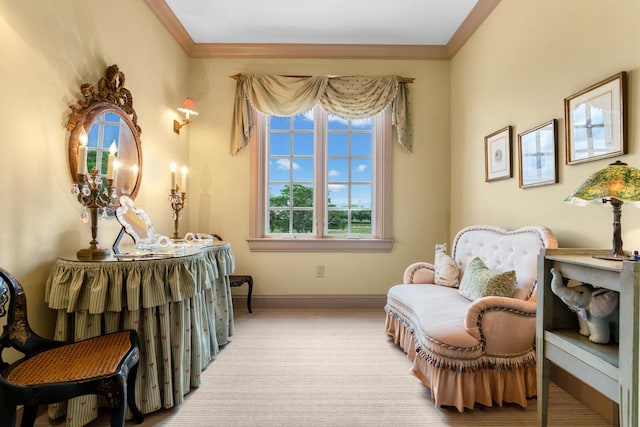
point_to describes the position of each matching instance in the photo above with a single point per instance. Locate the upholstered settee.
(473, 348)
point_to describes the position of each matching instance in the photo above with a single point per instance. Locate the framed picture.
(595, 121)
(537, 154)
(497, 155)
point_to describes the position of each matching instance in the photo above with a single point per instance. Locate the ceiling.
(419, 28)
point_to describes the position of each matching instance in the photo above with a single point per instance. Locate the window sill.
(320, 245)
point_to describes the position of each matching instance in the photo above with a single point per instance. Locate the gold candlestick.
(93, 197)
(177, 200)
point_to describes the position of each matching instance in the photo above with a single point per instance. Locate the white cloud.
(336, 187)
(361, 168)
(286, 164)
(333, 173)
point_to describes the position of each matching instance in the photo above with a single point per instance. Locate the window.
(104, 132)
(321, 183)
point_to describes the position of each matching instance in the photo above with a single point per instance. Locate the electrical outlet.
(319, 271)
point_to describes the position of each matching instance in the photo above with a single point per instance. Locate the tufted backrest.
(503, 250)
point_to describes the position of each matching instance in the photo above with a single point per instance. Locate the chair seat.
(84, 360)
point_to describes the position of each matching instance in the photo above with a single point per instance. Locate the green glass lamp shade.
(616, 181)
(616, 184)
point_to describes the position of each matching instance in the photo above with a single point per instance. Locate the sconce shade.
(616, 184)
(618, 181)
(188, 107)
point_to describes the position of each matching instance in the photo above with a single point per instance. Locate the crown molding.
(476, 17)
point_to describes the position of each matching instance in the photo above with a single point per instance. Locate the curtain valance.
(348, 97)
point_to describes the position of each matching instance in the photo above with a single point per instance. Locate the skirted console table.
(179, 304)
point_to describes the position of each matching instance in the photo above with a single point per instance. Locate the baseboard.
(582, 392)
(312, 301)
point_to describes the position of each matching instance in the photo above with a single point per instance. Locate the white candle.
(173, 175)
(184, 179)
(112, 156)
(82, 153)
(116, 166)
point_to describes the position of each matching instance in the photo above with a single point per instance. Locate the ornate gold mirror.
(106, 123)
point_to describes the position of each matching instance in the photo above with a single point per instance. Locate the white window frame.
(380, 242)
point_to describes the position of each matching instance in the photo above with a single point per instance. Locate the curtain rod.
(400, 79)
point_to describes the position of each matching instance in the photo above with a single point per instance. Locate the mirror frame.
(113, 97)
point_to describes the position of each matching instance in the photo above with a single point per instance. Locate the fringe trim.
(517, 362)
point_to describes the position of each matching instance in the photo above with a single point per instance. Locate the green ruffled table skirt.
(180, 307)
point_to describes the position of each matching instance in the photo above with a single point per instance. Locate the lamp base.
(612, 257)
(93, 253)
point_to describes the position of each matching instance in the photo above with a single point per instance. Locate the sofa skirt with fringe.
(450, 387)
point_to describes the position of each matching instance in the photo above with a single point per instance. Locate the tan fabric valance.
(348, 97)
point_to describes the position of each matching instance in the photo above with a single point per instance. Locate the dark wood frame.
(617, 86)
(537, 131)
(491, 152)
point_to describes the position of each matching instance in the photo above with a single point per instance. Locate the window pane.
(338, 196)
(111, 117)
(93, 135)
(278, 221)
(303, 144)
(338, 144)
(91, 160)
(361, 196)
(279, 169)
(361, 222)
(303, 121)
(104, 162)
(302, 196)
(279, 144)
(278, 195)
(338, 170)
(337, 222)
(111, 134)
(302, 170)
(279, 122)
(362, 124)
(336, 123)
(303, 221)
(361, 144)
(361, 170)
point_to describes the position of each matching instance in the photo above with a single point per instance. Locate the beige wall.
(516, 70)
(48, 50)
(420, 180)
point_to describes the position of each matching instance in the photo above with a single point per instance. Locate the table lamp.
(615, 184)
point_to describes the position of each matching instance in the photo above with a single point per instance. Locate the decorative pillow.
(479, 281)
(446, 273)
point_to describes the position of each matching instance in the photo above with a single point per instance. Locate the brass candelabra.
(93, 197)
(177, 199)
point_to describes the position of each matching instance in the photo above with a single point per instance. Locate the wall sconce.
(188, 107)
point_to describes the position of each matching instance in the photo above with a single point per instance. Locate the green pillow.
(479, 281)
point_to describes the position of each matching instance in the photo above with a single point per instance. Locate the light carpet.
(316, 367)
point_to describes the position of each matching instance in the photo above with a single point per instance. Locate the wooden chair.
(240, 279)
(53, 371)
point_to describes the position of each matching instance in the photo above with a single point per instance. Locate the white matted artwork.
(537, 154)
(497, 155)
(595, 121)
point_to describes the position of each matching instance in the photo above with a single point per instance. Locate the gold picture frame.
(595, 124)
(537, 154)
(497, 155)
